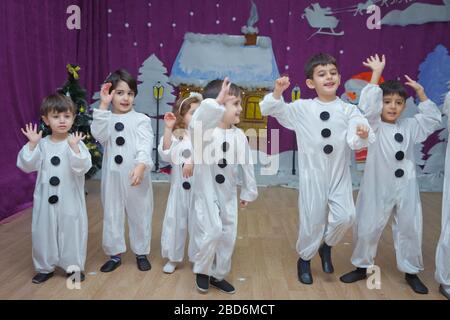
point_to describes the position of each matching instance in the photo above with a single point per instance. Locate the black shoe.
(110, 265)
(355, 275)
(202, 281)
(444, 292)
(415, 283)
(325, 256)
(142, 262)
(42, 277)
(222, 285)
(304, 271)
(82, 276)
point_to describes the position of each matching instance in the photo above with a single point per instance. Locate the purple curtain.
(36, 46)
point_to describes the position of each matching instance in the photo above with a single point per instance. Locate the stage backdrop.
(146, 37)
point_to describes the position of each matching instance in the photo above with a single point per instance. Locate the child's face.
(188, 116)
(233, 111)
(326, 80)
(393, 106)
(123, 98)
(60, 123)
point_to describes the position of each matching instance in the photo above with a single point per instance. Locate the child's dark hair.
(320, 59)
(391, 87)
(57, 103)
(180, 108)
(122, 75)
(213, 88)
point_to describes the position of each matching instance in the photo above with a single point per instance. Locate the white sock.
(170, 267)
(446, 288)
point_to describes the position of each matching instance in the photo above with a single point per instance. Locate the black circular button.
(399, 173)
(186, 153)
(119, 126)
(398, 137)
(53, 199)
(328, 149)
(225, 146)
(55, 161)
(326, 133)
(220, 179)
(400, 155)
(54, 181)
(118, 159)
(222, 163)
(186, 185)
(324, 115)
(120, 141)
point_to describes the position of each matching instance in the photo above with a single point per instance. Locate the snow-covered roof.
(206, 57)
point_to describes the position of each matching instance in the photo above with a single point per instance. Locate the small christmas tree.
(83, 117)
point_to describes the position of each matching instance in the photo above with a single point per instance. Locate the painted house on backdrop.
(206, 57)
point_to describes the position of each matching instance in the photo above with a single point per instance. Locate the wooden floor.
(264, 261)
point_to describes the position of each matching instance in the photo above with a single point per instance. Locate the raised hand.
(76, 137)
(105, 96)
(375, 63)
(281, 84)
(32, 134)
(73, 140)
(417, 88)
(224, 94)
(362, 131)
(169, 120)
(377, 67)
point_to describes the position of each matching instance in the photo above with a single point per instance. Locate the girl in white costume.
(215, 207)
(127, 138)
(59, 224)
(327, 129)
(389, 183)
(176, 148)
(442, 274)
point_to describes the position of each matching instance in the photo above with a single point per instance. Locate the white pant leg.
(372, 216)
(113, 214)
(44, 239)
(175, 225)
(342, 212)
(73, 234)
(442, 274)
(312, 213)
(207, 233)
(225, 248)
(407, 230)
(139, 208)
(193, 241)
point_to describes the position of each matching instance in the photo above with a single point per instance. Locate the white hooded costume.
(215, 205)
(177, 216)
(442, 274)
(127, 140)
(59, 224)
(326, 132)
(389, 184)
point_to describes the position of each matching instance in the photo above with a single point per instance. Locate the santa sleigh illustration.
(322, 19)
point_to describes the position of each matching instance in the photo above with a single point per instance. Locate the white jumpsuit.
(389, 184)
(59, 225)
(127, 140)
(215, 208)
(326, 133)
(442, 274)
(177, 217)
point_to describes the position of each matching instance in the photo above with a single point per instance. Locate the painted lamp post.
(158, 93)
